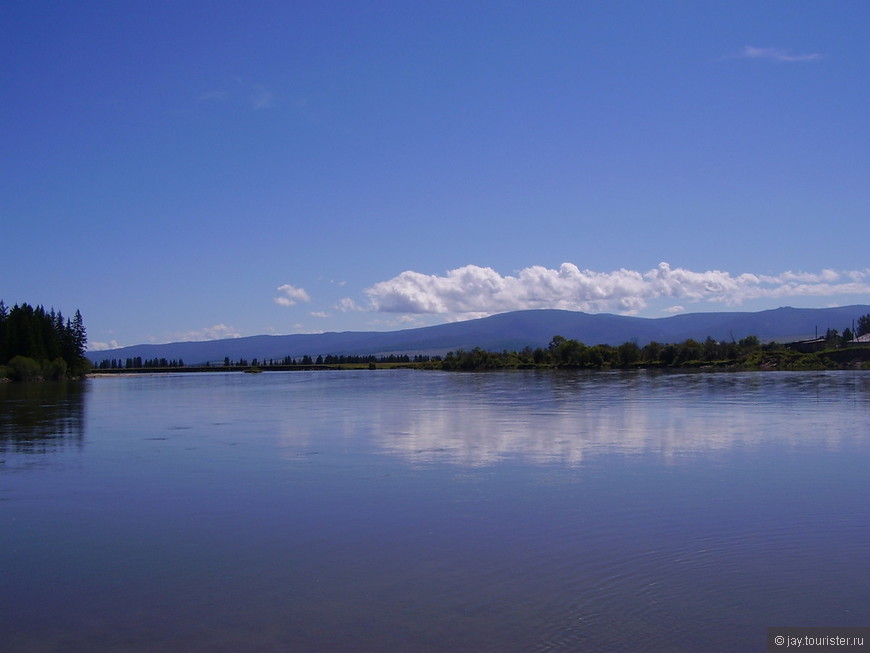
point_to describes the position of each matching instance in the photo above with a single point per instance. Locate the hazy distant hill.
(512, 331)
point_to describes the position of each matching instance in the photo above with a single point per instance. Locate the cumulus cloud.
(290, 295)
(474, 291)
(775, 54)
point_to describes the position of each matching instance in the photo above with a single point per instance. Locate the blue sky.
(191, 170)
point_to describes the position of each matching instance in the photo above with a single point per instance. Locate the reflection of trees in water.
(40, 417)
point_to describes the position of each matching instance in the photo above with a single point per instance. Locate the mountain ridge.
(512, 331)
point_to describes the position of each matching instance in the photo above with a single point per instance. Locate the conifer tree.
(42, 338)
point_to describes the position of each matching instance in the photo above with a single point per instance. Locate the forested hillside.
(508, 331)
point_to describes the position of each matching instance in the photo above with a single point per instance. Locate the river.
(429, 511)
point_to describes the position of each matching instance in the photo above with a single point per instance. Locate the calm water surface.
(422, 511)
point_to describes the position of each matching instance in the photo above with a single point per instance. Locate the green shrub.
(56, 369)
(24, 369)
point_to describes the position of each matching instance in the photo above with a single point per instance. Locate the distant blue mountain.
(511, 331)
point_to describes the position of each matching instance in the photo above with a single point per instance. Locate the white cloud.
(216, 332)
(474, 291)
(102, 346)
(346, 304)
(407, 321)
(301, 328)
(290, 295)
(319, 314)
(775, 54)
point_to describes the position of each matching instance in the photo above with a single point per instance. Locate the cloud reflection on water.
(565, 422)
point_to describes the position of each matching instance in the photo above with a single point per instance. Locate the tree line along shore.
(834, 351)
(36, 344)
